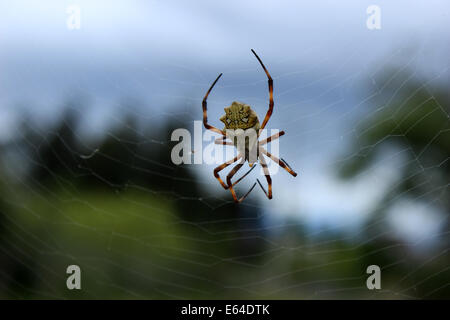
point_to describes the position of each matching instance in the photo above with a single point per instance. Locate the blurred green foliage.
(408, 114)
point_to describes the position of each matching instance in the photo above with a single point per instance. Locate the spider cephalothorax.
(240, 118)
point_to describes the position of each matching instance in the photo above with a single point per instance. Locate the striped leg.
(223, 166)
(239, 180)
(281, 162)
(221, 140)
(271, 138)
(230, 184)
(270, 82)
(205, 115)
(268, 178)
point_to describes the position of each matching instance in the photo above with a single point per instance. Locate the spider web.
(142, 238)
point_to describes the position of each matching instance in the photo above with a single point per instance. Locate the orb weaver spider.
(241, 116)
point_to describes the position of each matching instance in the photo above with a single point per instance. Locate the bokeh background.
(86, 177)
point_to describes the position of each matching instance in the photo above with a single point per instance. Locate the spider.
(241, 116)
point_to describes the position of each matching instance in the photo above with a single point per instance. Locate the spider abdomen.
(240, 116)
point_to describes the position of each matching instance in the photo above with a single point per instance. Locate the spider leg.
(271, 138)
(239, 180)
(233, 172)
(230, 185)
(248, 192)
(223, 166)
(281, 162)
(205, 116)
(268, 178)
(270, 82)
(221, 140)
